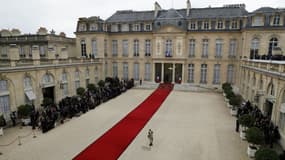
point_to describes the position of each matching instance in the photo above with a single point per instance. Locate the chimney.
(157, 8)
(188, 7)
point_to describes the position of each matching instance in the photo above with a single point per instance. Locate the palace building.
(201, 47)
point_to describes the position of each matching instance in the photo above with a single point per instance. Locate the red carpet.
(114, 142)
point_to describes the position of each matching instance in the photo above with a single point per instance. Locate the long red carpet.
(113, 143)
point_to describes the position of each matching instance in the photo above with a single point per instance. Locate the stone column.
(162, 72)
(182, 75)
(173, 73)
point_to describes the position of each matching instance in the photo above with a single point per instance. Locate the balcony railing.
(272, 67)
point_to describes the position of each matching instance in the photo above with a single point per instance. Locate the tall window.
(147, 72)
(230, 73)
(4, 97)
(192, 26)
(205, 47)
(106, 69)
(257, 21)
(206, 25)
(136, 48)
(219, 48)
(125, 71)
(148, 27)
(94, 48)
(136, 27)
(203, 79)
(216, 79)
(192, 48)
(114, 47)
(190, 73)
(272, 44)
(105, 47)
(28, 83)
(4, 51)
(83, 48)
(115, 69)
(43, 51)
(168, 48)
(233, 48)
(220, 24)
(77, 80)
(234, 24)
(147, 47)
(64, 84)
(254, 48)
(276, 20)
(82, 27)
(93, 27)
(125, 48)
(136, 71)
(22, 53)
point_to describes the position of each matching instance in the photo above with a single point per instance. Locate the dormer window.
(192, 26)
(136, 27)
(206, 25)
(125, 27)
(257, 21)
(114, 28)
(148, 27)
(234, 24)
(82, 27)
(93, 27)
(220, 24)
(276, 20)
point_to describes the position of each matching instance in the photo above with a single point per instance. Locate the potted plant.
(265, 154)
(255, 137)
(226, 86)
(24, 112)
(235, 102)
(101, 83)
(2, 124)
(245, 121)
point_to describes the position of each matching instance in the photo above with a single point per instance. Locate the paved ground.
(189, 125)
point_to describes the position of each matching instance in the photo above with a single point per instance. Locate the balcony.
(271, 67)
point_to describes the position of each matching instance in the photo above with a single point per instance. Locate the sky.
(62, 15)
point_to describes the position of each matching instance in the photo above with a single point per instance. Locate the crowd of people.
(47, 116)
(271, 133)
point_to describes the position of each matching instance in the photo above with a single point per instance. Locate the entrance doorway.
(268, 108)
(48, 93)
(168, 72)
(178, 73)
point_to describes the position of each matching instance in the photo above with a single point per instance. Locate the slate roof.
(195, 13)
(264, 9)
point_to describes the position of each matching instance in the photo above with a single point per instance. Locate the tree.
(80, 91)
(91, 87)
(24, 111)
(101, 83)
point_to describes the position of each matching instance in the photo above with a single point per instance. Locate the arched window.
(27, 83)
(64, 84)
(272, 44)
(4, 97)
(47, 79)
(254, 48)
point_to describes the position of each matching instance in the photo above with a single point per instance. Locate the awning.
(282, 108)
(30, 94)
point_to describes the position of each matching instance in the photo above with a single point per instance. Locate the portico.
(168, 72)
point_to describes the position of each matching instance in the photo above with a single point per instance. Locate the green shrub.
(91, 87)
(254, 136)
(24, 111)
(246, 120)
(235, 100)
(229, 94)
(80, 91)
(226, 86)
(266, 154)
(101, 83)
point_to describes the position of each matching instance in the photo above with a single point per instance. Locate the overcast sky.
(62, 15)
